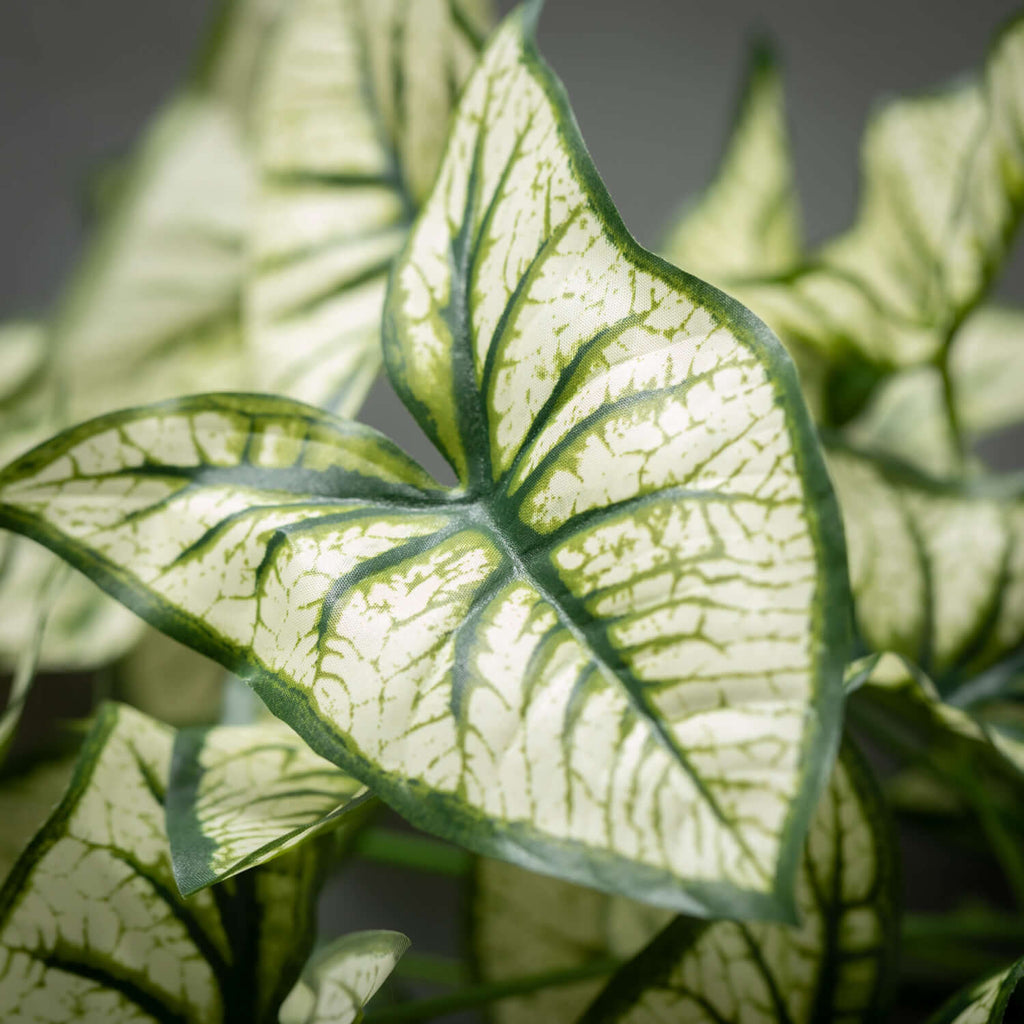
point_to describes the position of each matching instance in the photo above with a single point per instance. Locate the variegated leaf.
(836, 965)
(985, 1002)
(528, 924)
(892, 694)
(937, 568)
(342, 978)
(614, 652)
(747, 222)
(909, 417)
(91, 926)
(240, 795)
(354, 114)
(942, 194)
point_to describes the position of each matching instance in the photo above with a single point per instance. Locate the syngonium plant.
(612, 659)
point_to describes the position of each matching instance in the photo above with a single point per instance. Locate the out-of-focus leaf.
(837, 965)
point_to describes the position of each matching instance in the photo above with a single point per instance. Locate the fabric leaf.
(614, 652)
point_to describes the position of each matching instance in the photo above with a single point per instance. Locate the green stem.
(408, 850)
(441, 970)
(489, 992)
(1003, 844)
(963, 925)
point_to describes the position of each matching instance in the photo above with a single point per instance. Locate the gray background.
(653, 83)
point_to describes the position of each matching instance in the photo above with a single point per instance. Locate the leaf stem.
(489, 992)
(432, 967)
(408, 850)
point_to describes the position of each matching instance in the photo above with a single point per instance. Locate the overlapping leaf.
(91, 925)
(983, 1003)
(240, 795)
(835, 966)
(942, 194)
(747, 222)
(937, 568)
(614, 651)
(528, 924)
(354, 116)
(910, 418)
(342, 978)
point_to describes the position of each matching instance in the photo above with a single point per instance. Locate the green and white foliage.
(352, 123)
(983, 1003)
(909, 416)
(942, 194)
(92, 927)
(342, 978)
(936, 567)
(528, 924)
(240, 795)
(891, 695)
(835, 966)
(614, 651)
(747, 222)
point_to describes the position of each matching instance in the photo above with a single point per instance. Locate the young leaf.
(942, 195)
(342, 978)
(835, 965)
(528, 924)
(240, 795)
(352, 123)
(747, 222)
(937, 568)
(983, 1003)
(614, 652)
(91, 926)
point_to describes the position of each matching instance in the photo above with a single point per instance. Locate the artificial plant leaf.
(909, 416)
(92, 927)
(343, 977)
(354, 114)
(747, 221)
(894, 696)
(240, 795)
(942, 194)
(836, 965)
(936, 567)
(614, 652)
(985, 1002)
(528, 924)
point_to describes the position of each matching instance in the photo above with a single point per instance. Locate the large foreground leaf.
(983, 1003)
(240, 795)
(835, 966)
(747, 222)
(525, 924)
(91, 926)
(353, 119)
(614, 651)
(937, 567)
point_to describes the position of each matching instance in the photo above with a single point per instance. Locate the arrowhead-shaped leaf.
(747, 221)
(937, 567)
(614, 652)
(942, 195)
(342, 978)
(240, 795)
(354, 114)
(835, 966)
(92, 927)
(985, 1002)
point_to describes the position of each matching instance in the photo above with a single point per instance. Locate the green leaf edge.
(192, 849)
(965, 999)
(443, 815)
(658, 958)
